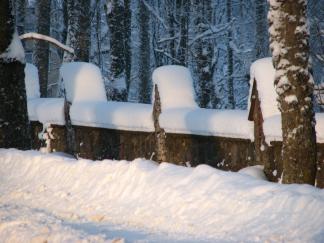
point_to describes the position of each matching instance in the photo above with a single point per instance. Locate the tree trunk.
(262, 40)
(41, 54)
(20, 15)
(14, 124)
(183, 10)
(127, 42)
(144, 55)
(204, 50)
(82, 51)
(294, 85)
(115, 10)
(230, 61)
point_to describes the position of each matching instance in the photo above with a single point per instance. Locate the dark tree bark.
(144, 55)
(127, 42)
(41, 54)
(115, 10)
(82, 50)
(262, 40)
(294, 85)
(77, 35)
(20, 10)
(14, 124)
(230, 61)
(204, 49)
(183, 10)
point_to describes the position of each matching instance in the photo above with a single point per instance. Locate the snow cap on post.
(263, 73)
(83, 82)
(175, 86)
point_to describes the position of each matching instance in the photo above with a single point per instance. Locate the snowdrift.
(200, 204)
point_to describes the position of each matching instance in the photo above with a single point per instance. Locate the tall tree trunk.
(230, 61)
(115, 10)
(144, 54)
(203, 50)
(71, 19)
(294, 85)
(82, 50)
(262, 40)
(127, 42)
(14, 124)
(183, 9)
(41, 54)
(20, 15)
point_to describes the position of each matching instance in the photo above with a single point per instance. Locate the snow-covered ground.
(53, 198)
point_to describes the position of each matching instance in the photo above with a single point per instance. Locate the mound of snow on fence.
(207, 122)
(175, 87)
(83, 82)
(192, 204)
(46, 110)
(113, 115)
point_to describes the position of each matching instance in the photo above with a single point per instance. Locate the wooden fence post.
(160, 144)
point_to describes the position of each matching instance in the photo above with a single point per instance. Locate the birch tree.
(294, 86)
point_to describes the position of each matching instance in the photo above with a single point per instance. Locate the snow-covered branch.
(153, 12)
(211, 31)
(167, 55)
(53, 41)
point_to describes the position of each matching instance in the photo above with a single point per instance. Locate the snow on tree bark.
(41, 53)
(14, 124)
(294, 85)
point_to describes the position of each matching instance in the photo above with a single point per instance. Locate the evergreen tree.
(14, 124)
(294, 85)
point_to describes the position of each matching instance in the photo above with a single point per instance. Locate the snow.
(272, 128)
(37, 36)
(59, 199)
(255, 171)
(46, 110)
(15, 50)
(263, 72)
(31, 81)
(113, 115)
(83, 82)
(207, 122)
(175, 87)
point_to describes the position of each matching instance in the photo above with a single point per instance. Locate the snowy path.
(58, 199)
